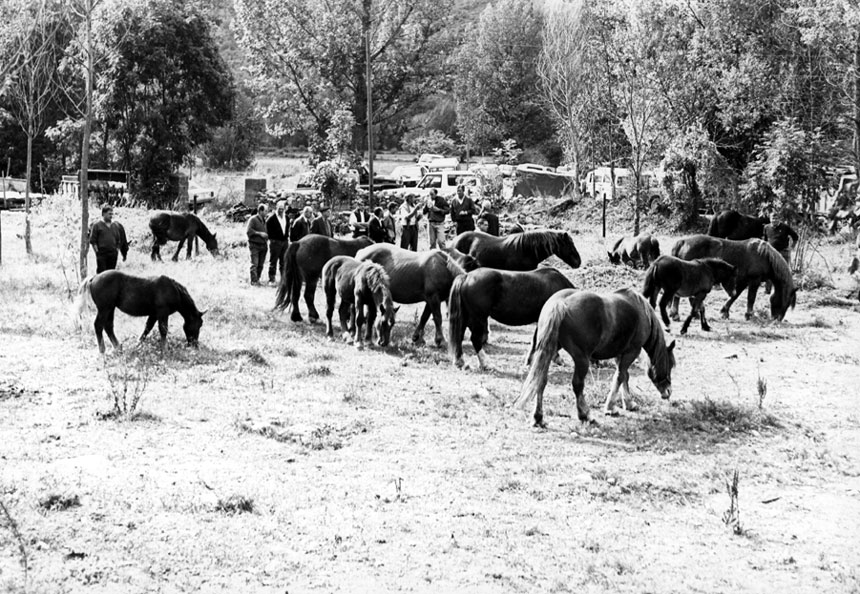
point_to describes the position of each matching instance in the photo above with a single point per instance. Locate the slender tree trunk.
(636, 206)
(85, 154)
(856, 143)
(28, 242)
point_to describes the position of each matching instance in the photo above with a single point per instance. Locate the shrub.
(433, 141)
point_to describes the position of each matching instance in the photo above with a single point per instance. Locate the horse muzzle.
(666, 393)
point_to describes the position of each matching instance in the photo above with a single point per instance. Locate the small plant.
(732, 516)
(56, 502)
(235, 504)
(761, 386)
(315, 370)
(128, 375)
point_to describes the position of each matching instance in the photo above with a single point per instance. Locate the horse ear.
(203, 312)
(396, 308)
(671, 346)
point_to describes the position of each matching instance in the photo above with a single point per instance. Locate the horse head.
(385, 323)
(192, 326)
(212, 245)
(614, 257)
(567, 251)
(660, 370)
(779, 303)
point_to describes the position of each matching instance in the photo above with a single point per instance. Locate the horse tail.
(676, 249)
(544, 349)
(458, 315)
(650, 288)
(83, 303)
(291, 279)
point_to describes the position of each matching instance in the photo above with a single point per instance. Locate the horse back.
(605, 326)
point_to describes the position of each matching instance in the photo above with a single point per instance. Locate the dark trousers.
(465, 224)
(258, 259)
(276, 258)
(106, 261)
(409, 237)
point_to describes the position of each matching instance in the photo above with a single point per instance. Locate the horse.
(513, 298)
(521, 251)
(360, 285)
(181, 227)
(595, 327)
(642, 249)
(156, 297)
(730, 224)
(304, 261)
(420, 276)
(693, 279)
(755, 261)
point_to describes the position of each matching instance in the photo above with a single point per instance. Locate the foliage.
(491, 184)
(508, 153)
(232, 146)
(333, 181)
(787, 171)
(164, 90)
(433, 141)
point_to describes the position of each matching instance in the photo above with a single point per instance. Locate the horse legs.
(100, 323)
(674, 311)
(150, 324)
(178, 249)
(310, 291)
(155, 253)
(360, 320)
(418, 335)
(705, 326)
(751, 293)
(620, 382)
(739, 288)
(330, 297)
(162, 330)
(478, 337)
(188, 247)
(580, 370)
(437, 320)
(345, 312)
(371, 320)
(664, 301)
(697, 309)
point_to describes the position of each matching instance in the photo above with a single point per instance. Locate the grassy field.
(275, 460)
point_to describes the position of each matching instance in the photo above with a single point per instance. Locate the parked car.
(427, 158)
(445, 182)
(524, 167)
(598, 184)
(408, 176)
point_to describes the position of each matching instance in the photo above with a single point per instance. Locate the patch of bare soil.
(273, 460)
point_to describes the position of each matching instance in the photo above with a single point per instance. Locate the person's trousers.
(106, 261)
(409, 237)
(258, 259)
(465, 224)
(437, 235)
(276, 258)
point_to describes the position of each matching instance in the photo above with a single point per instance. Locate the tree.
(497, 81)
(37, 52)
(310, 58)
(164, 90)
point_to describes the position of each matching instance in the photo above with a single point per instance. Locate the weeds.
(128, 374)
(715, 415)
(761, 386)
(55, 502)
(732, 516)
(235, 504)
(315, 371)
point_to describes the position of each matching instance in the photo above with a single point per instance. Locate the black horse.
(304, 262)
(755, 261)
(596, 327)
(693, 279)
(730, 224)
(521, 251)
(513, 298)
(642, 249)
(157, 298)
(181, 227)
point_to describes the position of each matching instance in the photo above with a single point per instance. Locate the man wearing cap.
(108, 240)
(257, 239)
(437, 207)
(278, 228)
(492, 221)
(409, 214)
(359, 219)
(302, 224)
(321, 225)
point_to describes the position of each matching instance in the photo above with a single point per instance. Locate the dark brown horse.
(521, 251)
(156, 298)
(419, 276)
(730, 224)
(642, 249)
(693, 279)
(179, 226)
(304, 262)
(513, 298)
(362, 287)
(755, 261)
(596, 327)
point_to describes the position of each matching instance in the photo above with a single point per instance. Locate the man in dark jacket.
(437, 208)
(108, 240)
(462, 209)
(359, 219)
(302, 224)
(257, 238)
(321, 225)
(487, 215)
(278, 229)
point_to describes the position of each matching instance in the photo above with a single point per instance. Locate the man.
(491, 219)
(278, 229)
(108, 240)
(359, 219)
(409, 214)
(389, 224)
(257, 238)
(375, 229)
(778, 235)
(462, 209)
(302, 225)
(437, 206)
(321, 225)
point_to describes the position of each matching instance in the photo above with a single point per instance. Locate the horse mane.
(616, 244)
(374, 277)
(544, 241)
(453, 267)
(780, 272)
(655, 344)
(202, 229)
(185, 296)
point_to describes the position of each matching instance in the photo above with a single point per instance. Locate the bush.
(333, 181)
(433, 141)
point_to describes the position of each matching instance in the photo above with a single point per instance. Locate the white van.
(446, 182)
(598, 183)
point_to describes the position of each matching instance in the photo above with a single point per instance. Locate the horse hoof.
(458, 363)
(683, 331)
(724, 315)
(748, 316)
(706, 328)
(612, 412)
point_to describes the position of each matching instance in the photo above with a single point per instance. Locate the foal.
(693, 279)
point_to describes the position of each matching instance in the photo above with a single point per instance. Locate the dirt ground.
(275, 460)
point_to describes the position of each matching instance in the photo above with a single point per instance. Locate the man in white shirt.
(359, 219)
(409, 215)
(278, 228)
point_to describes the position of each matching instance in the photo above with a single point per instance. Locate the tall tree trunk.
(636, 206)
(85, 153)
(28, 242)
(856, 143)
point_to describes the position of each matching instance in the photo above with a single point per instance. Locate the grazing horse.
(642, 249)
(304, 261)
(595, 327)
(693, 279)
(181, 227)
(730, 224)
(419, 276)
(513, 298)
(754, 260)
(521, 251)
(156, 297)
(360, 285)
